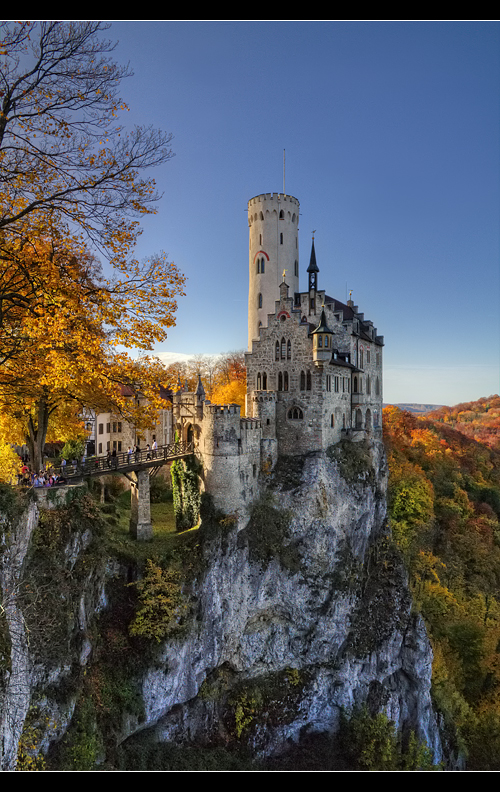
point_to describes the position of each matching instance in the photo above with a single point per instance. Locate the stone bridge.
(138, 467)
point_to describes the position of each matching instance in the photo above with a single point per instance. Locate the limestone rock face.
(299, 609)
(304, 609)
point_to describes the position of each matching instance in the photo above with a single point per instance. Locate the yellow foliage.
(230, 393)
(64, 342)
(10, 464)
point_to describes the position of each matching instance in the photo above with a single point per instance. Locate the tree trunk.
(37, 432)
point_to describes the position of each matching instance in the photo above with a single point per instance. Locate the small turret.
(322, 341)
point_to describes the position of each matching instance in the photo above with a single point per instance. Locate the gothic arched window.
(289, 350)
(259, 301)
(302, 381)
(277, 350)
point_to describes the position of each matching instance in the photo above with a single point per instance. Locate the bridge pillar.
(140, 507)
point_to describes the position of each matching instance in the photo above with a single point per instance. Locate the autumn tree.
(68, 168)
(223, 376)
(74, 341)
(73, 186)
(231, 385)
(64, 158)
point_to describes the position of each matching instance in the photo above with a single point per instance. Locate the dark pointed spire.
(323, 324)
(313, 267)
(313, 270)
(200, 390)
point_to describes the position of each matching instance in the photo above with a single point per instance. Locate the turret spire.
(313, 270)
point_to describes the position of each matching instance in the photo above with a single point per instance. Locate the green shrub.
(354, 461)
(161, 604)
(370, 742)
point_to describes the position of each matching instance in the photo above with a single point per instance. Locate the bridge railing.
(107, 464)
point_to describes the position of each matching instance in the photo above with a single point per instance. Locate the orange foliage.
(69, 337)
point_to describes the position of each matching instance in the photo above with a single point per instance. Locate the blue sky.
(391, 134)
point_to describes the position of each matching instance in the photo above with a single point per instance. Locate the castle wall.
(230, 449)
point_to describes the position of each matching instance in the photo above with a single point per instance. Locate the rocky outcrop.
(52, 582)
(16, 687)
(303, 611)
(300, 609)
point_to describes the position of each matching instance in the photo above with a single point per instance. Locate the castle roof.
(323, 326)
(339, 361)
(340, 306)
(200, 390)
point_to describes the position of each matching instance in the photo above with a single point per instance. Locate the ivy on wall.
(186, 493)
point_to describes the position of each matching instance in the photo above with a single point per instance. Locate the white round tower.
(273, 221)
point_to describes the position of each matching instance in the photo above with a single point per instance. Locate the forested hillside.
(444, 505)
(479, 420)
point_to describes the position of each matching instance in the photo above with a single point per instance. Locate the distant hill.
(478, 420)
(418, 409)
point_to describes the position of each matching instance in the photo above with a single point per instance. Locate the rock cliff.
(299, 610)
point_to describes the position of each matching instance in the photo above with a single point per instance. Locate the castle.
(314, 368)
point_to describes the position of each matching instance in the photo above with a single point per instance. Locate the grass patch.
(166, 538)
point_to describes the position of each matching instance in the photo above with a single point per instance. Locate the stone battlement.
(249, 424)
(221, 410)
(273, 197)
